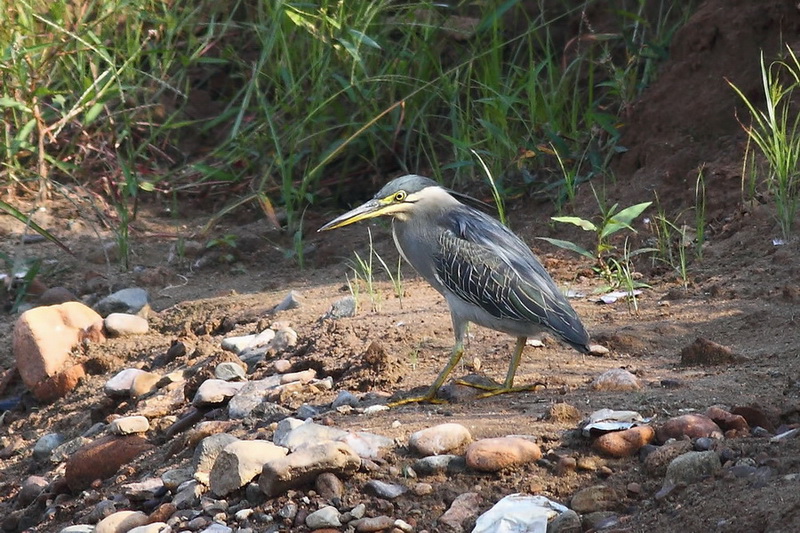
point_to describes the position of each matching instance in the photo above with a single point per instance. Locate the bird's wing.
(484, 263)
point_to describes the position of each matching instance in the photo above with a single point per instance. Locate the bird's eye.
(399, 196)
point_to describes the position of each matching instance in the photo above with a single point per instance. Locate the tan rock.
(594, 498)
(44, 337)
(624, 443)
(102, 458)
(693, 426)
(304, 465)
(492, 455)
(121, 522)
(239, 462)
(58, 385)
(441, 439)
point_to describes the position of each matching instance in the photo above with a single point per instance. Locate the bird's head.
(398, 198)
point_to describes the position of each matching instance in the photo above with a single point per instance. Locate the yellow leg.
(430, 396)
(508, 385)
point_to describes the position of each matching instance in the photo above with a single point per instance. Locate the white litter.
(519, 513)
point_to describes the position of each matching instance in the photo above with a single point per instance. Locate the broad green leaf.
(364, 39)
(623, 219)
(577, 221)
(5, 101)
(571, 246)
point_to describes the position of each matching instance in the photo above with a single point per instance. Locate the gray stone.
(594, 498)
(307, 411)
(206, 452)
(345, 398)
(292, 300)
(239, 462)
(326, 517)
(173, 478)
(342, 308)
(215, 391)
(440, 464)
(132, 301)
(692, 467)
(119, 386)
(30, 490)
(230, 371)
(567, 522)
(46, 444)
(284, 338)
(306, 434)
(329, 486)
(78, 528)
(154, 527)
(188, 495)
(464, 507)
(382, 489)
(237, 344)
(367, 445)
(143, 490)
(124, 324)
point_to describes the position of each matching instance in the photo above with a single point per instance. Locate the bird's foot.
(429, 397)
(504, 389)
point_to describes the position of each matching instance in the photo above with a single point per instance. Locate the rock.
(755, 417)
(30, 489)
(367, 445)
(382, 489)
(123, 325)
(292, 300)
(63, 451)
(119, 386)
(239, 462)
(342, 308)
(43, 339)
(464, 507)
(230, 371)
(562, 412)
(616, 379)
(692, 467)
(624, 443)
(143, 384)
(215, 391)
(589, 463)
(78, 528)
(600, 521)
(442, 439)
(345, 398)
(128, 425)
(152, 527)
(173, 478)
(121, 522)
(133, 301)
(56, 295)
(284, 338)
(304, 465)
(422, 489)
(657, 461)
(692, 425)
(59, 385)
(327, 516)
(493, 455)
(328, 486)
(305, 434)
(733, 425)
(703, 352)
(46, 444)
(440, 464)
(188, 495)
(206, 452)
(102, 458)
(144, 490)
(594, 498)
(239, 345)
(377, 523)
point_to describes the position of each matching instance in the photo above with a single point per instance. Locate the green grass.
(284, 104)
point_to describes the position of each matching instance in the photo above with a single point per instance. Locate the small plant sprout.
(611, 221)
(700, 213)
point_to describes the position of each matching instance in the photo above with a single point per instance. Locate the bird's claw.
(427, 398)
(504, 390)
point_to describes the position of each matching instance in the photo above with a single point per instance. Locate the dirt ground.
(743, 294)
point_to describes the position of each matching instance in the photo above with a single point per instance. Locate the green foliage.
(605, 253)
(275, 102)
(775, 131)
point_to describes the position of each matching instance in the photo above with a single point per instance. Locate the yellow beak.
(371, 209)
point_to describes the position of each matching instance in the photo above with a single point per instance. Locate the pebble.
(30, 489)
(616, 379)
(187, 495)
(102, 458)
(440, 464)
(153, 527)
(143, 490)
(119, 386)
(173, 478)
(121, 522)
(692, 467)
(304, 434)
(282, 366)
(733, 425)
(422, 489)
(327, 516)
(132, 301)
(78, 528)
(693, 426)
(46, 444)
(624, 443)
(284, 338)
(239, 343)
(124, 325)
(464, 507)
(292, 300)
(594, 498)
(215, 391)
(329, 486)
(441, 439)
(377, 523)
(128, 425)
(703, 352)
(206, 452)
(493, 455)
(344, 398)
(382, 489)
(143, 384)
(656, 462)
(239, 462)
(230, 371)
(305, 464)
(342, 308)
(589, 463)
(368, 445)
